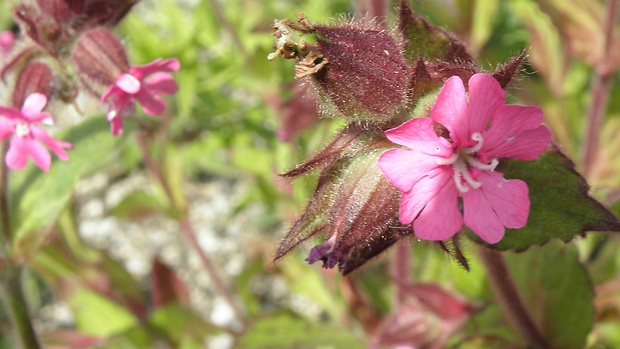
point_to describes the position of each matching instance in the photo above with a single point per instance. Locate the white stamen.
(477, 164)
(22, 129)
(465, 159)
(476, 136)
(449, 161)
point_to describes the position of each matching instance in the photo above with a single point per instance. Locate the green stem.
(509, 298)
(17, 308)
(5, 224)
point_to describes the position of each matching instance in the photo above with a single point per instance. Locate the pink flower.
(6, 42)
(144, 84)
(27, 137)
(458, 157)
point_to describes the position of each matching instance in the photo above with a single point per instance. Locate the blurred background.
(119, 268)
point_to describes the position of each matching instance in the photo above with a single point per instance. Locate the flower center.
(22, 129)
(464, 160)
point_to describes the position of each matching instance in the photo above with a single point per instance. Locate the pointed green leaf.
(560, 205)
(38, 197)
(557, 291)
(422, 39)
(98, 316)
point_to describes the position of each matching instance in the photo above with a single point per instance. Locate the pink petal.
(34, 104)
(419, 135)
(485, 96)
(110, 92)
(450, 110)
(21, 148)
(128, 83)
(404, 168)
(6, 128)
(422, 192)
(161, 83)
(17, 156)
(516, 132)
(116, 125)
(118, 102)
(498, 203)
(152, 104)
(11, 113)
(56, 146)
(440, 219)
(158, 65)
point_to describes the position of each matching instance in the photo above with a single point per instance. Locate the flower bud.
(100, 57)
(62, 11)
(35, 77)
(366, 77)
(354, 206)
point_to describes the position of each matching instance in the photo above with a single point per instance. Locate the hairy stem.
(400, 268)
(509, 298)
(17, 308)
(599, 93)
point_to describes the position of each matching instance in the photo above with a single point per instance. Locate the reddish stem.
(188, 231)
(400, 269)
(509, 298)
(601, 87)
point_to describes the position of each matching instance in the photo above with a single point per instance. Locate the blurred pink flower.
(6, 41)
(27, 137)
(454, 153)
(144, 84)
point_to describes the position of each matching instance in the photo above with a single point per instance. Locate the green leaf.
(98, 316)
(547, 53)
(38, 197)
(177, 323)
(560, 205)
(484, 17)
(422, 39)
(288, 332)
(137, 204)
(557, 291)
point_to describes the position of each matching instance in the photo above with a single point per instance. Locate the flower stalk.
(600, 90)
(17, 308)
(188, 231)
(509, 299)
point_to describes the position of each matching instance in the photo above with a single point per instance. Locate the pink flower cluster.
(438, 169)
(28, 139)
(143, 84)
